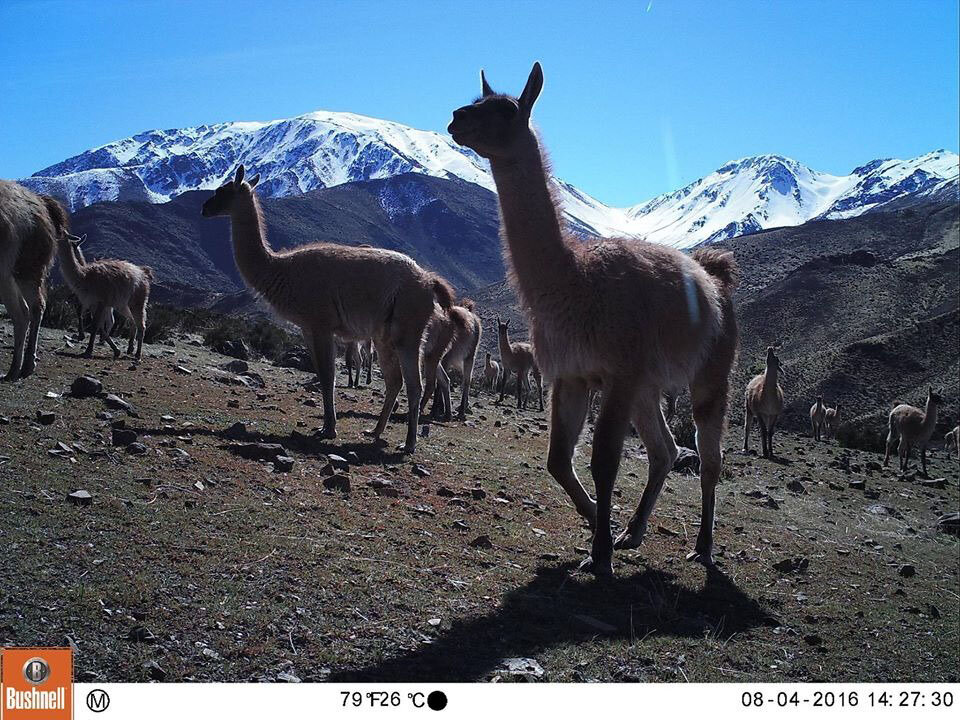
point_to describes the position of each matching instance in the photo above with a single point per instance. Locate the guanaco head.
(934, 397)
(222, 201)
(502, 326)
(773, 362)
(495, 125)
(69, 243)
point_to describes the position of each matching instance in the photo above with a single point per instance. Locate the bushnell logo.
(36, 671)
(36, 680)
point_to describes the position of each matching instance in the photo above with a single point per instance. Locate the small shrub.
(860, 436)
(61, 312)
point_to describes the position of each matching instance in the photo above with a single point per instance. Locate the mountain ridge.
(324, 149)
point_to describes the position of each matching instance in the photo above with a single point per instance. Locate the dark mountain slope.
(449, 226)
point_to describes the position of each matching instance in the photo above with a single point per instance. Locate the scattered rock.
(122, 437)
(85, 386)
(478, 494)
(258, 451)
(141, 634)
(857, 483)
(61, 449)
(460, 525)
(115, 402)
(792, 565)
(338, 482)
(45, 417)
(907, 571)
(154, 670)
(338, 463)
(136, 448)
(482, 541)
(237, 366)
(949, 523)
(936, 484)
(813, 640)
(283, 463)
(288, 677)
(420, 470)
(237, 431)
(520, 666)
(182, 370)
(296, 359)
(232, 348)
(80, 497)
(252, 379)
(796, 486)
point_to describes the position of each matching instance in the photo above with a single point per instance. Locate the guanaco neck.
(506, 352)
(254, 258)
(930, 415)
(770, 378)
(531, 228)
(73, 271)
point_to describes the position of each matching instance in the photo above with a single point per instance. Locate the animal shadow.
(555, 609)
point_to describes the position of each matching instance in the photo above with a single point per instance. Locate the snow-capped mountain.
(324, 149)
(293, 156)
(768, 191)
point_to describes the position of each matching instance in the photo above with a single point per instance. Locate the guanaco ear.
(252, 182)
(485, 86)
(82, 240)
(239, 176)
(532, 89)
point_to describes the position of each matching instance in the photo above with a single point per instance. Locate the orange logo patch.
(36, 683)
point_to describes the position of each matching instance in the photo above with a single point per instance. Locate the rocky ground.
(200, 556)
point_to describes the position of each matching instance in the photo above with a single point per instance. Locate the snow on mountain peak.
(325, 148)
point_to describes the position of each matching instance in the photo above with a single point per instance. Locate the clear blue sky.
(640, 97)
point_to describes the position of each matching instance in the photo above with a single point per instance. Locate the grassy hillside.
(194, 564)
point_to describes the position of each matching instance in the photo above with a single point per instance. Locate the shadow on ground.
(555, 609)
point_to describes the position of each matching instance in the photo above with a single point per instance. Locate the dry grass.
(255, 573)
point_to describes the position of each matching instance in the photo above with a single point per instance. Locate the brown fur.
(105, 286)
(517, 357)
(355, 359)
(831, 420)
(764, 402)
(339, 291)
(952, 442)
(914, 427)
(627, 316)
(29, 227)
(491, 373)
(111, 320)
(818, 418)
(451, 342)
